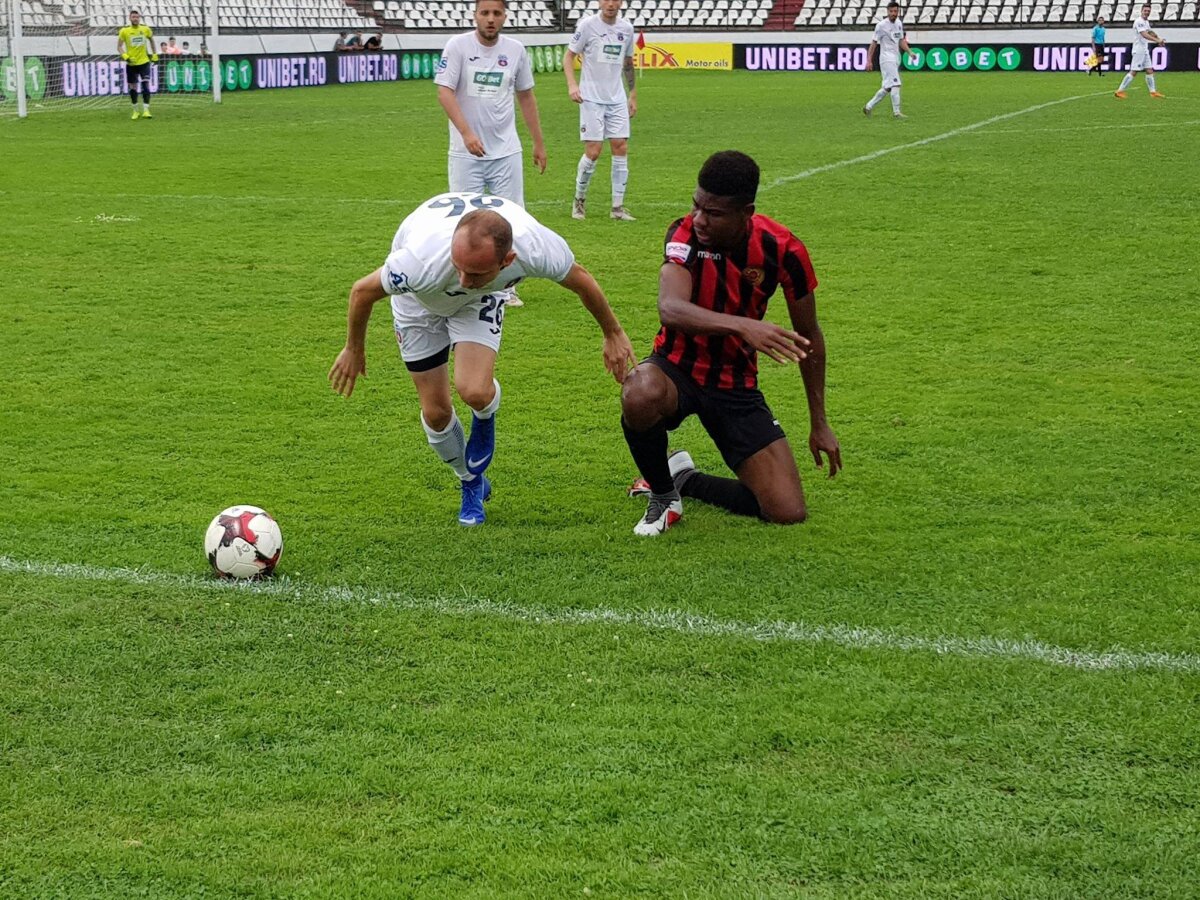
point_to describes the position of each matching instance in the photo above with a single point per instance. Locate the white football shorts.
(601, 121)
(422, 334)
(1141, 61)
(890, 70)
(503, 177)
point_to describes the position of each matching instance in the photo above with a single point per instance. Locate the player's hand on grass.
(473, 144)
(822, 440)
(346, 369)
(780, 344)
(619, 357)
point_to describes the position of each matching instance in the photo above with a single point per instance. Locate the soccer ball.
(243, 542)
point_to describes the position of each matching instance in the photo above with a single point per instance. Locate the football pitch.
(975, 671)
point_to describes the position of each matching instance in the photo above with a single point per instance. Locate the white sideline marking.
(848, 637)
(867, 157)
(1091, 127)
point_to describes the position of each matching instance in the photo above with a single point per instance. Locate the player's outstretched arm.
(821, 439)
(676, 310)
(529, 111)
(352, 361)
(619, 357)
(569, 70)
(449, 102)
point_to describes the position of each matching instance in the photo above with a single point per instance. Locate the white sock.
(896, 101)
(490, 410)
(450, 445)
(1125, 81)
(620, 178)
(1150, 83)
(583, 176)
(879, 95)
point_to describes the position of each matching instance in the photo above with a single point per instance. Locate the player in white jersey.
(452, 261)
(889, 38)
(477, 78)
(604, 45)
(1143, 34)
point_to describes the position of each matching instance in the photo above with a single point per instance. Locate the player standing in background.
(889, 37)
(135, 43)
(604, 44)
(1142, 35)
(452, 263)
(477, 77)
(721, 265)
(1099, 34)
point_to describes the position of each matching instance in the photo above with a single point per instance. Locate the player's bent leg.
(771, 475)
(474, 365)
(648, 398)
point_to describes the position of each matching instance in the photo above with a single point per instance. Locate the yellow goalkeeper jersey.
(138, 41)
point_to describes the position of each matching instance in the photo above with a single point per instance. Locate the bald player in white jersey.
(889, 37)
(604, 44)
(1143, 34)
(452, 261)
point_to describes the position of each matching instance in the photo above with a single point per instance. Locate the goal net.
(63, 55)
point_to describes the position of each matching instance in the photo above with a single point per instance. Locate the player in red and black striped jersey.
(722, 263)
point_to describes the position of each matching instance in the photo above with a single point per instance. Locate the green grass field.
(975, 671)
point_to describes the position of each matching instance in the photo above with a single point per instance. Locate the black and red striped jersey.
(738, 284)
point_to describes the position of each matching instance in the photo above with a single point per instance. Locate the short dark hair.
(503, 3)
(893, 3)
(482, 225)
(730, 173)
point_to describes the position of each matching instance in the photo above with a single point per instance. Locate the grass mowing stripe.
(946, 135)
(849, 637)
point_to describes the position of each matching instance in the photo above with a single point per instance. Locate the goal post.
(62, 54)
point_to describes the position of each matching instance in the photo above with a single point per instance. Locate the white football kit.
(431, 309)
(888, 35)
(603, 49)
(1141, 46)
(485, 80)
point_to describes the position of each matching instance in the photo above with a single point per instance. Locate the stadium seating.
(843, 14)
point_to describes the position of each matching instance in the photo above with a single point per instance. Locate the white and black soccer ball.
(243, 542)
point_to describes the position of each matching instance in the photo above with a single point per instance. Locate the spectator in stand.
(162, 49)
(173, 49)
(355, 41)
(374, 42)
(187, 51)
(339, 45)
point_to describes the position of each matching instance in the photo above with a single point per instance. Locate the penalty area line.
(965, 129)
(847, 637)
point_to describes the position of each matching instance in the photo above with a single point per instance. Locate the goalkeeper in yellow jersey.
(135, 43)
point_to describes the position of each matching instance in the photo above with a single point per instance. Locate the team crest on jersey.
(502, 61)
(754, 276)
(399, 282)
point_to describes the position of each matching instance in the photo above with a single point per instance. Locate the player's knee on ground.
(643, 399)
(783, 510)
